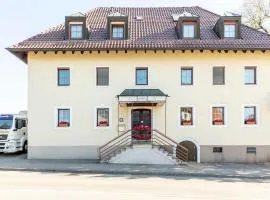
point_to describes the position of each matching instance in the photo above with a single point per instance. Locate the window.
(188, 30)
(186, 76)
(250, 117)
(118, 31)
(103, 117)
(229, 30)
(218, 117)
(186, 116)
(250, 75)
(217, 149)
(63, 118)
(102, 76)
(141, 76)
(76, 31)
(251, 150)
(20, 123)
(63, 77)
(218, 75)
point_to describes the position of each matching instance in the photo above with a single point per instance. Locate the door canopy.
(144, 97)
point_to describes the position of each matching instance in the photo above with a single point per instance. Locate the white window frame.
(194, 30)
(225, 125)
(70, 31)
(95, 117)
(193, 116)
(235, 29)
(56, 116)
(257, 115)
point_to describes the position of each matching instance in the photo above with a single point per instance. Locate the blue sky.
(22, 19)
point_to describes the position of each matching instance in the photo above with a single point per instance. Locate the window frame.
(189, 24)
(255, 75)
(224, 115)
(235, 29)
(122, 25)
(97, 68)
(58, 76)
(70, 30)
(96, 117)
(257, 114)
(192, 76)
(57, 108)
(147, 78)
(224, 75)
(193, 116)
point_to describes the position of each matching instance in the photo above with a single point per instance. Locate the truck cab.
(13, 133)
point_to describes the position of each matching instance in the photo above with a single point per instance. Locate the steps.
(161, 149)
(143, 154)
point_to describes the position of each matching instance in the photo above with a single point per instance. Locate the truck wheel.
(25, 147)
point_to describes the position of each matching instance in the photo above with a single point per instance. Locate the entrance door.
(141, 124)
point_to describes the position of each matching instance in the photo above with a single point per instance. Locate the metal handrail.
(114, 144)
(181, 152)
(116, 148)
(157, 138)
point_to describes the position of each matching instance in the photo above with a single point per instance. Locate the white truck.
(13, 132)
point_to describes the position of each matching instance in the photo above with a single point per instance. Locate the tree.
(256, 14)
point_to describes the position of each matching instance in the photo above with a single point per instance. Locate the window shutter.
(218, 76)
(102, 76)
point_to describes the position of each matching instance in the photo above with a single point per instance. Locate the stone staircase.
(159, 150)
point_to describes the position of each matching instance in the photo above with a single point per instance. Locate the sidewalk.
(226, 170)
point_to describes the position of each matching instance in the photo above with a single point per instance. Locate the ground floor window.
(103, 117)
(250, 116)
(218, 116)
(186, 116)
(63, 118)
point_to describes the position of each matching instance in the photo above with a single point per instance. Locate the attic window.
(76, 30)
(188, 30)
(117, 31)
(117, 26)
(229, 29)
(75, 27)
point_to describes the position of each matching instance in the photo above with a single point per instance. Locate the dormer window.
(117, 25)
(76, 31)
(188, 25)
(117, 31)
(229, 26)
(188, 30)
(75, 26)
(229, 30)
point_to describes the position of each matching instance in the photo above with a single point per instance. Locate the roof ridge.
(207, 11)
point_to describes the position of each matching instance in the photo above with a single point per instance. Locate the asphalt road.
(40, 185)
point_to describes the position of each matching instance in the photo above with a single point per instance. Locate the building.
(199, 78)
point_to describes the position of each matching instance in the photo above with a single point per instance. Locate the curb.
(140, 173)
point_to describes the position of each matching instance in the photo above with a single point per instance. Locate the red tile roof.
(155, 31)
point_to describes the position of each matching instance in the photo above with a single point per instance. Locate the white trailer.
(13, 132)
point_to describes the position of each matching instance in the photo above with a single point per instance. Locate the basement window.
(251, 150)
(217, 149)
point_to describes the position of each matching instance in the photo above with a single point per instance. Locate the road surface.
(60, 186)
